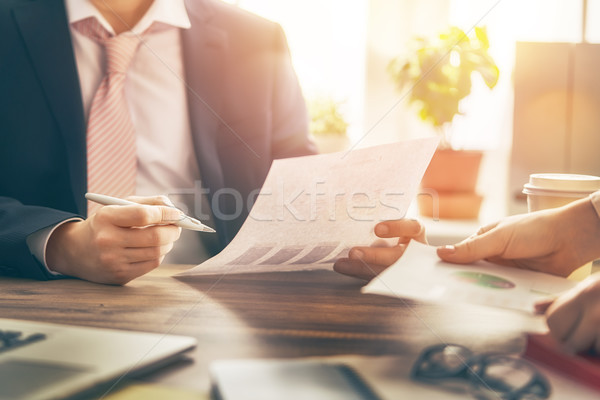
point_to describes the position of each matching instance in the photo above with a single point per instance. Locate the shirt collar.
(171, 12)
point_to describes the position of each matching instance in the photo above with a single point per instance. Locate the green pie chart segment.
(484, 280)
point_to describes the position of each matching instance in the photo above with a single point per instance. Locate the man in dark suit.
(242, 108)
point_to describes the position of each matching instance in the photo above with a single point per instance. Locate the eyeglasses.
(488, 375)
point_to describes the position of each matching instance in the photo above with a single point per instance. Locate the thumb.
(541, 306)
(472, 249)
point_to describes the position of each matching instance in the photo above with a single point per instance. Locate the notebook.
(289, 379)
(48, 361)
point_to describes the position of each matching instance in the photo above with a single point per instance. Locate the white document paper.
(311, 210)
(420, 274)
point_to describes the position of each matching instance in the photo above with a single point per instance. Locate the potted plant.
(438, 74)
(328, 126)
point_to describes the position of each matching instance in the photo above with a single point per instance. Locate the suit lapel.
(204, 47)
(44, 28)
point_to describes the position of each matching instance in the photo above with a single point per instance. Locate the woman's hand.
(574, 317)
(555, 241)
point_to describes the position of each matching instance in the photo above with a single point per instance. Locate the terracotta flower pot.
(446, 205)
(448, 186)
(453, 171)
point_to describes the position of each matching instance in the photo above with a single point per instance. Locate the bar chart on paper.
(312, 210)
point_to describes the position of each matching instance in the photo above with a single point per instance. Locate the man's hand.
(365, 262)
(117, 243)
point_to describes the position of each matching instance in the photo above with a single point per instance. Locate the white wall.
(342, 49)
(391, 24)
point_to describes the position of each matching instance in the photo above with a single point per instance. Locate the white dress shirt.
(156, 94)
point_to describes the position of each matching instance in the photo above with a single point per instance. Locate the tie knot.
(120, 49)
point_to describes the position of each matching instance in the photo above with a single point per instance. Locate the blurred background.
(534, 119)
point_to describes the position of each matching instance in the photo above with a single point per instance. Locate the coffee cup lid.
(568, 184)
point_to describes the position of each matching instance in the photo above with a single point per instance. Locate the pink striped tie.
(111, 140)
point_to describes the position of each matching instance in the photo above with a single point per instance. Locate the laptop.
(50, 361)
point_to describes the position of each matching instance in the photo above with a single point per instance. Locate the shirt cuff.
(38, 241)
(595, 198)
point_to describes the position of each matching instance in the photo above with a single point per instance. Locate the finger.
(486, 228)
(381, 243)
(151, 236)
(139, 216)
(564, 315)
(507, 262)
(160, 200)
(407, 228)
(585, 297)
(541, 306)
(141, 254)
(377, 255)
(133, 271)
(486, 245)
(584, 336)
(357, 268)
(144, 267)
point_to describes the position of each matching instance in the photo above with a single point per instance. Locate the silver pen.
(185, 222)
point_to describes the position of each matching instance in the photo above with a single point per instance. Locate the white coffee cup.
(546, 191)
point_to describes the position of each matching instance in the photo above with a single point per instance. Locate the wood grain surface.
(269, 315)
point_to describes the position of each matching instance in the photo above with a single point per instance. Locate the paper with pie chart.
(419, 274)
(312, 209)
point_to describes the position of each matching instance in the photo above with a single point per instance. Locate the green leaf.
(437, 85)
(481, 34)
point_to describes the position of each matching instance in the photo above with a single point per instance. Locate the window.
(327, 42)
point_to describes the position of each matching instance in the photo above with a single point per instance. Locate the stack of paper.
(420, 274)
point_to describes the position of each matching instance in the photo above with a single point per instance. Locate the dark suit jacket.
(245, 108)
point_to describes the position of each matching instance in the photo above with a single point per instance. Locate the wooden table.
(291, 314)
